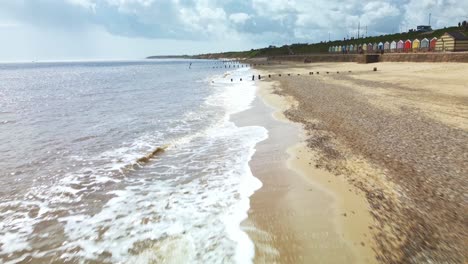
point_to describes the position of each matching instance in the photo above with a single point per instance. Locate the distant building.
(423, 28)
(452, 41)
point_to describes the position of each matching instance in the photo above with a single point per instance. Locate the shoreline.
(396, 136)
(301, 214)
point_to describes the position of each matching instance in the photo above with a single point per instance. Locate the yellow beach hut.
(364, 47)
(416, 44)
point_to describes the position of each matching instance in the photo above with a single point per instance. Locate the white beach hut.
(387, 46)
(393, 46)
(424, 44)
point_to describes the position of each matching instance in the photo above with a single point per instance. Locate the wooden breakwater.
(369, 58)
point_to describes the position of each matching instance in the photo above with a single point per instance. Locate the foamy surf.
(176, 195)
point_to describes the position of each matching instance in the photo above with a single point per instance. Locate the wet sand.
(395, 138)
(302, 214)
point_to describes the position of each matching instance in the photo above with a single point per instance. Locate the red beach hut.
(432, 44)
(407, 45)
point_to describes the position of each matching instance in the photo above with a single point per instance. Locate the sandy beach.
(361, 166)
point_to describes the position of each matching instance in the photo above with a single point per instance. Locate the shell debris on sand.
(410, 163)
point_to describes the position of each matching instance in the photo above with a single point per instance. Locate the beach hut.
(400, 46)
(393, 46)
(364, 47)
(359, 49)
(424, 44)
(330, 49)
(416, 44)
(408, 45)
(380, 46)
(343, 49)
(351, 48)
(432, 44)
(453, 41)
(348, 48)
(369, 48)
(375, 47)
(387, 46)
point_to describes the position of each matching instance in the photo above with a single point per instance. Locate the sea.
(125, 162)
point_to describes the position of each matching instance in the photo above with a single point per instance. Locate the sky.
(133, 29)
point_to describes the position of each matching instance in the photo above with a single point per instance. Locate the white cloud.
(239, 18)
(89, 4)
(261, 22)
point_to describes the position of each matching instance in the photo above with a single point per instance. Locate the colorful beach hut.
(364, 47)
(400, 46)
(369, 48)
(432, 44)
(387, 46)
(329, 49)
(375, 46)
(351, 48)
(424, 44)
(416, 44)
(380, 46)
(393, 46)
(343, 49)
(453, 41)
(408, 45)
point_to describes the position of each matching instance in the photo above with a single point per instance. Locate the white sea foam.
(185, 207)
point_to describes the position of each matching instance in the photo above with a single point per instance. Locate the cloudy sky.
(126, 29)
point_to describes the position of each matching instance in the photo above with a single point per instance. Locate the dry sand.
(399, 135)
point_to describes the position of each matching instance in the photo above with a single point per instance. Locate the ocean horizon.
(125, 161)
